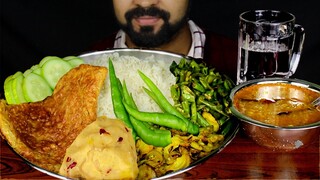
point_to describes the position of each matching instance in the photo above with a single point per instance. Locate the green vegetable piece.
(158, 138)
(186, 108)
(36, 69)
(162, 119)
(116, 96)
(226, 128)
(35, 88)
(175, 92)
(187, 94)
(165, 104)
(27, 72)
(197, 85)
(53, 69)
(202, 121)
(67, 58)
(8, 90)
(17, 88)
(153, 97)
(74, 61)
(212, 106)
(47, 58)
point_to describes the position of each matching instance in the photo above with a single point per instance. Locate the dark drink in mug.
(257, 63)
(269, 45)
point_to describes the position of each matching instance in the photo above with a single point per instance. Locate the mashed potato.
(105, 149)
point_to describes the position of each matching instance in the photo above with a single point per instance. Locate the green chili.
(155, 137)
(116, 96)
(162, 119)
(165, 104)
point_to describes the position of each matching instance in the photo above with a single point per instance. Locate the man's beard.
(146, 37)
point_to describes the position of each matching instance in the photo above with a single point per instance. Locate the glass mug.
(269, 45)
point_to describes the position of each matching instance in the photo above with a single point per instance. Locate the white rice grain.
(126, 68)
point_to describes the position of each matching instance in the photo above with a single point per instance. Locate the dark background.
(33, 29)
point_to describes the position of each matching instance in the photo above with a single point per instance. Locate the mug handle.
(299, 34)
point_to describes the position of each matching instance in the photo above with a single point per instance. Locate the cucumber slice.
(67, 58)
(27, 72)
(8, 90)
(53, 70)
(75, 62)
(47, 58)
(17, 88)
(36, 69)
(35, 88)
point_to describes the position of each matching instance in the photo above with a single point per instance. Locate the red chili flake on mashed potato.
(120, 139)
(68, 159)
(108, 171)
(72, 165)
(103, 131)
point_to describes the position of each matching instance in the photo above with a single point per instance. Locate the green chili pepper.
(192, 128)
(175, 92)
(187, 94)
(118, 108)
(193, 108)
(202, 121)
(226, 128)
(197, 85)
(153, 97)
(195, 66)
(162, 119)
(212, 106)
(155, 137)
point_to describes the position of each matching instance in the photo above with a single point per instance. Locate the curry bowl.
(277, 112)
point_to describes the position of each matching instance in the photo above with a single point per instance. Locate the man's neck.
(180, 43)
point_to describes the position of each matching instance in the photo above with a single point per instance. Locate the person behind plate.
(165, 25)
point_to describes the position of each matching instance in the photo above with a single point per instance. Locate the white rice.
(126, 68)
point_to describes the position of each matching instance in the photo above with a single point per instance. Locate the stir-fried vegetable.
(183, 150)
(201, 94)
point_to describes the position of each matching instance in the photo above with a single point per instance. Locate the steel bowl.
(285, 138)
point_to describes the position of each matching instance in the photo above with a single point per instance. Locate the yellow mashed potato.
(103, 150)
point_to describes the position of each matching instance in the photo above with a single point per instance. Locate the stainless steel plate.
(163, 56)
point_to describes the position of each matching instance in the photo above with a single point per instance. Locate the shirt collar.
(196, 49)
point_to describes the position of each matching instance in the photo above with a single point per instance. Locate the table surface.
(241, 159)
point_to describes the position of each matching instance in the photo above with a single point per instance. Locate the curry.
(278, 104)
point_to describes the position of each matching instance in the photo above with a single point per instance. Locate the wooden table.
(241, 159)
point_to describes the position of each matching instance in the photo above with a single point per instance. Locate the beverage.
(269, 45)
(260, 63)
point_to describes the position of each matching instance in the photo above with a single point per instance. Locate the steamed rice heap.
(126, 68)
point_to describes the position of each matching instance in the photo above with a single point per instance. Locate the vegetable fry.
(207, 88)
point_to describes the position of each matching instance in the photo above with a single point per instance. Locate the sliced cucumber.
(36, 69)
(8, 90)
(27, 72)
(17, 88)
(53, 70)
(75, 62)
(67, 58)
(47, 58)
(35, 88)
